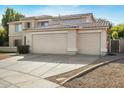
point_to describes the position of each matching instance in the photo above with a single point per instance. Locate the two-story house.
(67, 34)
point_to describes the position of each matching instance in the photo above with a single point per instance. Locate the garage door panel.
(89, 43)
(50, 43)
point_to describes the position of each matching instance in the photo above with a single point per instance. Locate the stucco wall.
(71, 40)
(12, 40)
(121, 46)
(12, 31)
(104, 42)
(13, 35)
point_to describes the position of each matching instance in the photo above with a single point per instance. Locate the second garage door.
(89, 43)
(50, 43)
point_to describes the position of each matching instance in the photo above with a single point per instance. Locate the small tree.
(117, 31)
(115, 35)
(2, 36)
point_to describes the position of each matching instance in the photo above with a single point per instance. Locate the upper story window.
(28, 25)
(43, 24)
(18, 27)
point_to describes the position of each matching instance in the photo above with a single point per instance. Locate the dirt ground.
(3, 56)
(108, 76)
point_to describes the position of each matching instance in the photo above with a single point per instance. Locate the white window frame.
(18, 27)
(46, 23)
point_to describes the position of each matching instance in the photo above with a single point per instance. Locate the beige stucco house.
(67, 34)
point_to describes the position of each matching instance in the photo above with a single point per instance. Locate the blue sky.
(113, 13)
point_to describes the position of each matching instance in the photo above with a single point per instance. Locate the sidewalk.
(15, 79)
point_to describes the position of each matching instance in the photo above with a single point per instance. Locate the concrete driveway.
(32, 69)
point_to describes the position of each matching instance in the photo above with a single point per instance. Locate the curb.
(89, 69)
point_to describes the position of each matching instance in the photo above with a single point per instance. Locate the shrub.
(23, 49)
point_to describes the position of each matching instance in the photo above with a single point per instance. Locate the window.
(43, 24)
(28, 25)
(18, 27)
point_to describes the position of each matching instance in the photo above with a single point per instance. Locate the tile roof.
(94, 23)
(37, 17)
(97, 23)
(73, 16)
(56, 17)
(62, 26)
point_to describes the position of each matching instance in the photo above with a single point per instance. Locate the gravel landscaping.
(108, 76)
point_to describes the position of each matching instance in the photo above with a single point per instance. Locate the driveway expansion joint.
(23, 73)
(8, 82)
(50, 69)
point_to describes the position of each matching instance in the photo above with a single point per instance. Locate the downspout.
(24, 40)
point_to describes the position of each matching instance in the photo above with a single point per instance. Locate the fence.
(117, 46)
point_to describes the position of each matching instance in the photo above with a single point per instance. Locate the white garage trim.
(55, 32)
(103, 43)
(90, 31)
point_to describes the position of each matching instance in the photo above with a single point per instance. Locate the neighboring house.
(68, 34)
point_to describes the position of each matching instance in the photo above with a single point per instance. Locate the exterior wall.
(121, 45)
(12, 39)
(104, 42)
(11, 29)
(13, 35)
(72, 35)
(72, 41)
